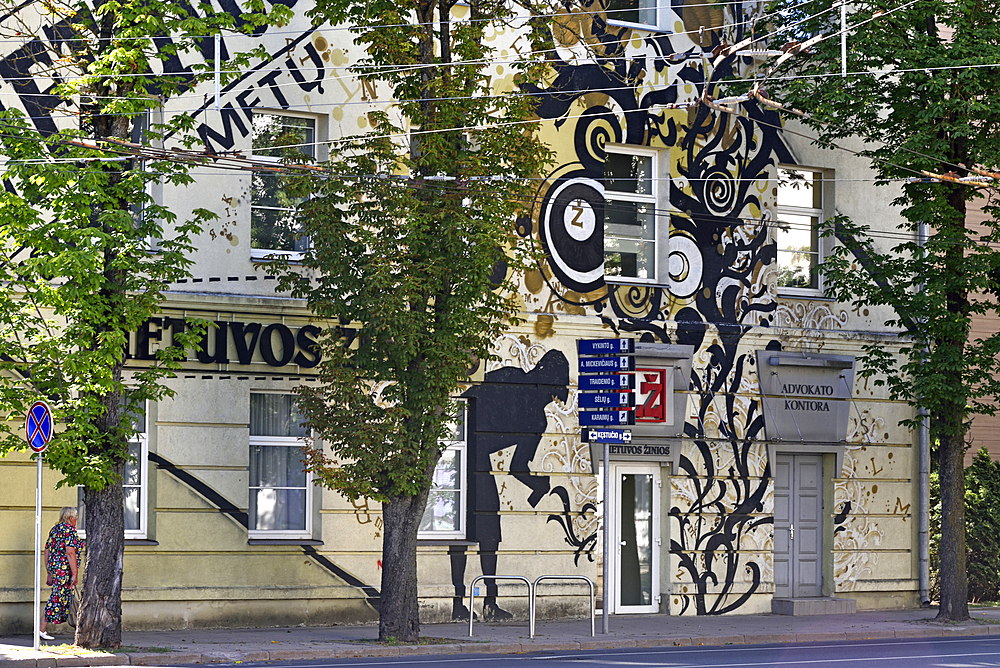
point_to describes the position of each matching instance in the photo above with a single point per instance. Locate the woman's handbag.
(74, 605)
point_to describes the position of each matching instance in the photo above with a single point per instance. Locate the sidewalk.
(170, 648)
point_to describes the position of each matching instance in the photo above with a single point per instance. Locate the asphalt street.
(974, 652)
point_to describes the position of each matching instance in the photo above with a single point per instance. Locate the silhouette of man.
(508, 409)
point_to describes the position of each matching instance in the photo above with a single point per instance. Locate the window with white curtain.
(280, 487)
(134, 483)
(444, 515)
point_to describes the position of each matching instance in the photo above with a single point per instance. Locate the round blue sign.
(38, 426)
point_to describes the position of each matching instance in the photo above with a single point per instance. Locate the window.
(444, 516)
(800, 210)
(134, 484)
(630, 193)
(273, 224)
(639, 12)
(280, 487)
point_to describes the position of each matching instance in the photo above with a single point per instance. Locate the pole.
(606, 566)
(217, 66)
(38, 555)
(843, 38)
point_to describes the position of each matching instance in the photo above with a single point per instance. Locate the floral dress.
(61, 537)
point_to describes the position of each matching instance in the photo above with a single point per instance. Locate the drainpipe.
(924, 481)
(924, 497)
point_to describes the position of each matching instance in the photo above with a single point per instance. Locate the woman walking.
(62, 561)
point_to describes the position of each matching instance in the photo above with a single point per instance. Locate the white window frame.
(660, 9)
(142, 439)
(812, 212)
(653, 200)
(462, 447)
(264, 253)
(278, 534)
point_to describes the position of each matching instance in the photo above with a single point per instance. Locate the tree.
(921, 98)
(89, 250)
(412, 245)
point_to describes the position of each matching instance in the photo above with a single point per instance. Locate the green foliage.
(931, 288)
(982, 524)
(88, 249)
(413, 242)
(922, 98)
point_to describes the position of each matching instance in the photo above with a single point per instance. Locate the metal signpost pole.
(606, 568)
(38, 429)
(38, 554)
(606, 401)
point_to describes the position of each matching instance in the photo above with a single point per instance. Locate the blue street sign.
(612, 400)
(606, 418)
(606, 436)
(605, 347)
(621, 381)
(38, 426)
(606, 364)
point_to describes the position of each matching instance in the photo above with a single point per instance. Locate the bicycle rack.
(472, 594)
(534, 591)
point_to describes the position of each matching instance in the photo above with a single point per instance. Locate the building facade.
(762, 467)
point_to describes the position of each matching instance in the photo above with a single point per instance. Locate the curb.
(352, 651)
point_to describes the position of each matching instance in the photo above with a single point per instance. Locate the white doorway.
(635, 538)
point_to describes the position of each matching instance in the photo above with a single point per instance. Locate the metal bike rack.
(534, 590)
(472, 594)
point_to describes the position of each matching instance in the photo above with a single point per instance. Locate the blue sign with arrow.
(606, 364)
(622, 381)
(612, 400)
(605, 347)
(606, 418)
(606, 436)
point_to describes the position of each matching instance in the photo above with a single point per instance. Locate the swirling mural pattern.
(714, 288)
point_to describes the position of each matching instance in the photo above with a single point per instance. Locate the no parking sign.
(38, 426)
(38, 429)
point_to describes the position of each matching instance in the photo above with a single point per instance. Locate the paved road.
(975, 652)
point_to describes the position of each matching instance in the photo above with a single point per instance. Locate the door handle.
(791, 532)
(623, 542)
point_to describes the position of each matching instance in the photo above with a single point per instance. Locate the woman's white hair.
(66, 514)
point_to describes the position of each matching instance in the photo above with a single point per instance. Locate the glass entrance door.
(636, 544)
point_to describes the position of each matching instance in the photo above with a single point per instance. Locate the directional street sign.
(612, 400)
(38, 426)
(607, 418)
(621, 381)
(607, 364)
(605, 347)
(606, 436)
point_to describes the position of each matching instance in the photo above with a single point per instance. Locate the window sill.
(284, 541)
(264, 255)
(446, 541)
(632, 282)
(140, 542)
(645, 27)
(803, 293)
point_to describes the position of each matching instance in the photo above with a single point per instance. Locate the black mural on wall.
(723, 252)
(240, 517)
(507, 409)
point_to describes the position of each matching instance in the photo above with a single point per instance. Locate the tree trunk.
(399, 614)
(100, 619)
(953, 576)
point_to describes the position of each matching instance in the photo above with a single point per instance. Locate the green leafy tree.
(920, 97)
(413, 244)
(89, 250)
(982, 522)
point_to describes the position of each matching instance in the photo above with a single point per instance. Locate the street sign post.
(606, 399)
(616, 436)
(38, 429)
